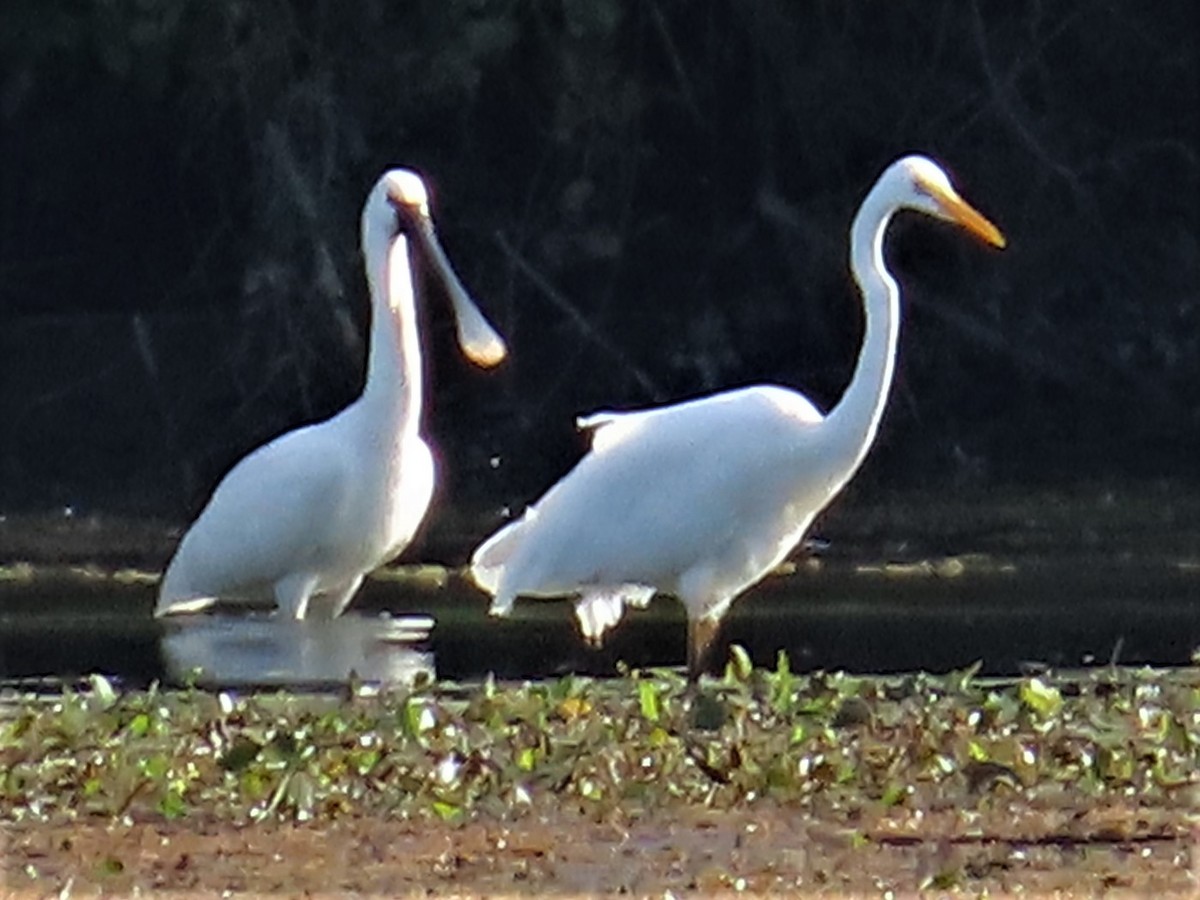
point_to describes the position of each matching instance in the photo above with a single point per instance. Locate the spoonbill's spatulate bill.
(702, 499)
(304, 518)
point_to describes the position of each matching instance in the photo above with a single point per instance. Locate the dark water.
(1065, 612)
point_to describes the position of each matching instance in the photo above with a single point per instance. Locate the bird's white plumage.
(305, 517)
(703, 498)
(618, 525)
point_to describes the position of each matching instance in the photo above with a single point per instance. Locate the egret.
(704, 498)
(305, 517)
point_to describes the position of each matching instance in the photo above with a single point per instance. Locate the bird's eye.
(923, 188)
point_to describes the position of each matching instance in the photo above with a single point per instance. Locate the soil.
(1006, 850)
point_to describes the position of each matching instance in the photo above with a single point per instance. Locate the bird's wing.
(273, 513)
(610, 427)
(660, 490)
(489, 559)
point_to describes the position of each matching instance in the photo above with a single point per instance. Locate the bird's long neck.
(855, 420)
(393, 388)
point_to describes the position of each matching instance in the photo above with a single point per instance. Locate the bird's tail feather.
(490, 558)
(599, 609)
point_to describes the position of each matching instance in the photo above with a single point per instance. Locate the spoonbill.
(704, 498)
(305, 517)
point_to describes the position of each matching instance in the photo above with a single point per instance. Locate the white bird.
(305, 517)
(702, 499)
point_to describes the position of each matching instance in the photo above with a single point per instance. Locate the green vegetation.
(845, 744)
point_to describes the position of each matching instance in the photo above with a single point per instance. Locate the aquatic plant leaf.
(590, 788)
(283, 745)
(1044, 699)
(942, 880)
(709, 713)
(240, 754)
(155, 766)
(644, 741)
(418, 717)
(783, 685)
(526, 759)
(963, 678)
(172, 805)
(365, 761)
(894, 794)
(301, 793)
(445, 811)
(852, 711)
(571, 708)
(740, 667)
(648, 700)
(103, 691)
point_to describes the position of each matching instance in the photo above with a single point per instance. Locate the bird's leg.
(340, 598)
(700, 636)
(292, 594)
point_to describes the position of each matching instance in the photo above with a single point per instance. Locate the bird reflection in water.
(263, 650)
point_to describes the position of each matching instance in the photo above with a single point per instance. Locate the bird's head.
(399, 204)
(398, 201)
(406, 192)
(921, 184)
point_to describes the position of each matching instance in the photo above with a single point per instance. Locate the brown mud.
(1112, 850)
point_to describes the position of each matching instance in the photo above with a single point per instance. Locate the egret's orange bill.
(959, 210)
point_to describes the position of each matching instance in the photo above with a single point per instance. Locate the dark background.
(651, 200)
